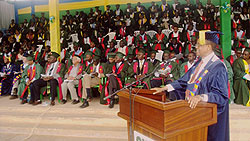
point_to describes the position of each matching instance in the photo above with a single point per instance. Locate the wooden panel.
(195, 135)
(168, 120)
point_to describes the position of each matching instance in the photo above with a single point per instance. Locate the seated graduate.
(242, 79)
(18, 75)
(239, 38)
(123, 48)
(206, 81)
(72, 79)
(152, 58)
(142, 37)
(108, 70)
(139, 69)
(31, 73)
(159, 40)
(54, 72)
(168, 72)
(91, 78)
(116, 78)
(6, 77)
(187, 65)
(236, 55)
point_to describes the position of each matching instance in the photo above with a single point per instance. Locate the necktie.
(30, 72)
(51, 69)
(94, 70)
(196, 72)
(140, 65)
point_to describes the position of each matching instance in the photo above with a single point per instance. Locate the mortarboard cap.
(247, 49)
(153, 52)
(96, 57)
(166, 51)
(120, 55)
(89, 53)
(208, 35)
(238, 49)
(111, 55)
(114, 41)
(142, 50)
(29, 58)
(56, 55)
(75, 44)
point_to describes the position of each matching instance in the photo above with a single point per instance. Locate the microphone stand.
(130, 95)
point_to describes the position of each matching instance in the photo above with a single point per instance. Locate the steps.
(96, 123)
(61, 122)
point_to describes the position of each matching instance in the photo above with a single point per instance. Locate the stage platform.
(96, 123)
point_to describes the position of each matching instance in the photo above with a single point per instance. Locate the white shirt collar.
(118, 64)
(189, 64)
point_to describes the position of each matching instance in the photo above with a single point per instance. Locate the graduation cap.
(75, 44)
(193, 38)
(111, 55)
(114, 41)
(208, 35)
(89, 53)
(124, 41)
(153, 52)
(142, 50)
(247, 49)
(97, 7)
(130, 56)
(30, 57)
(108, 6)
(117, 4)
(120, 55)
(56, 55)
(238, 49)
(166, 51)
(96, 57)
(128, 3)
(142, 28)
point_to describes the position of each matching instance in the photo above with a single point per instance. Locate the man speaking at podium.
(206, 81)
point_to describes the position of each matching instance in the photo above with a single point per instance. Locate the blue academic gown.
(214, 84)
(7, 83)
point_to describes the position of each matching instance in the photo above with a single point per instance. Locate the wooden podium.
(171, 121)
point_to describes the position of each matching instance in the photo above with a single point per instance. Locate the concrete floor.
(70, 123)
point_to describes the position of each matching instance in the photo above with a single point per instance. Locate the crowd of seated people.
(112, 48)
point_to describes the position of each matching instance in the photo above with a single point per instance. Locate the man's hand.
(114, 74)
(71, 78)
(194, 100)
(187, 92)
(158, 90)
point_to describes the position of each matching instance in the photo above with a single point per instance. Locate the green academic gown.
(230, 79)
(183, 68)
(156, 39)
(107, 67)
(134, 70)
(22, 85)
(241, 86)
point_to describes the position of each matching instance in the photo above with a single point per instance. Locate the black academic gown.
(214, 84)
